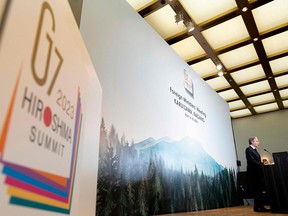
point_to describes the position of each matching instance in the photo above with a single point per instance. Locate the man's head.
(254, 141)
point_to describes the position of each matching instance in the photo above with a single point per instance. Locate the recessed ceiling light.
(255, 39)
(219, 66)
(244, 9)
(220, 73)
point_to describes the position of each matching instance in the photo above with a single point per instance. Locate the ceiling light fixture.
(219, 66)
(190, 26)
(220, 73)
(179, 18)
(255, 39)
(244, 9)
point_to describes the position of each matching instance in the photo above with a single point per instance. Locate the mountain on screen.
(185, 154)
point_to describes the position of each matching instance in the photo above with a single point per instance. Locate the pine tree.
(108, 181)
(141, 205)
(154, 186)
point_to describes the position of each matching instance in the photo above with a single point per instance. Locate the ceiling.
(248, 38)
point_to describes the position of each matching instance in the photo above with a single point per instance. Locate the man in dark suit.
(256, 173)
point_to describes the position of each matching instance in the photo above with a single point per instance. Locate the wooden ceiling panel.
(248, 74)
(266, 108)
(276, 44)
(227, 33)
(188, 49)
(271, 15)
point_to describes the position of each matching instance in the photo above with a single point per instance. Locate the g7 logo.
(41, 78)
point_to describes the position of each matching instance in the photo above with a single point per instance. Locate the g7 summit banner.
(47, 83)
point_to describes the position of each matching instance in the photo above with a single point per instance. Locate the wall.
(76, 6)
(270, 128)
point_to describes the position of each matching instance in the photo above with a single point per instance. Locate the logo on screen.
(188, 84)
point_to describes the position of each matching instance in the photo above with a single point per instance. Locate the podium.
(276, 176)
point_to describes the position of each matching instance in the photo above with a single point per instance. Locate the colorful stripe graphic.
(34, 188)
(4, 131)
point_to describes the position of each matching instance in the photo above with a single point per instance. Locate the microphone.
(267, 151)
(270, 154)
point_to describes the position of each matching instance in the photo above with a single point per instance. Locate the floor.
(232, 211)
